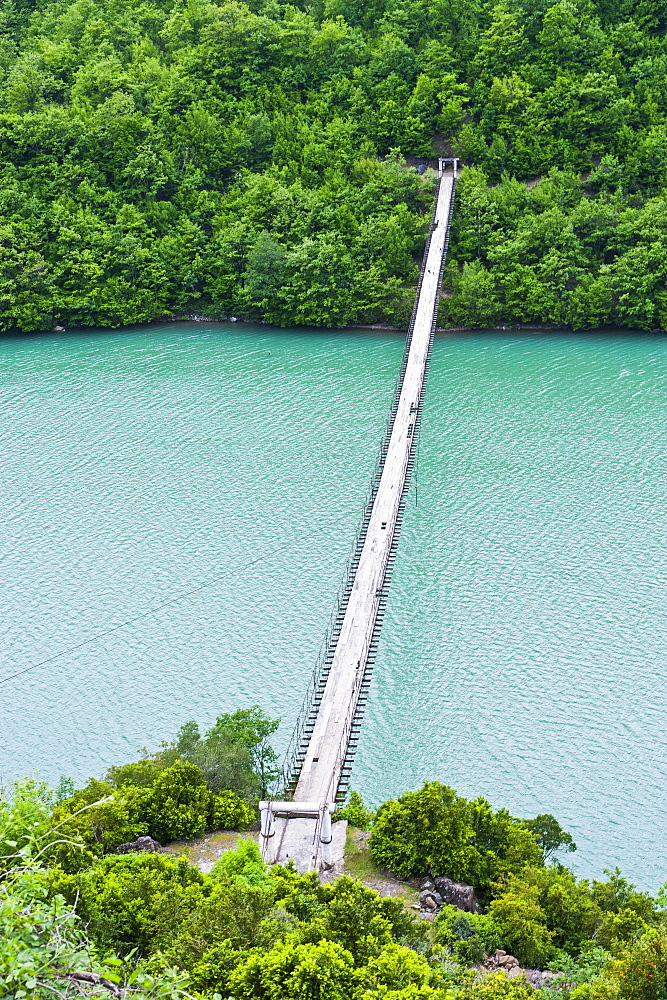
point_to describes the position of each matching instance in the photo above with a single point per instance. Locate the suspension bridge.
(299, 826)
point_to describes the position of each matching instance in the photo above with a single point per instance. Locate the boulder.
(458, 894)
(538, 978)
(508, 962)
(514, 972)
(140, 844)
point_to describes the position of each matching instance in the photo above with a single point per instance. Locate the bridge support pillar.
(326, 836)
(267, 834)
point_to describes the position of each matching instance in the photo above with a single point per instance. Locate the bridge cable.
(130, 621)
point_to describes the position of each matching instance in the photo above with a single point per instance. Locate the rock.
(538, 978)
(515, 972)
(140, 844)
(508, 962)
(57, 329)
(426, 883)
(437, 897)
(233, 319)
(427, 900)
(420, 168)
(498, 954)
(458, 894)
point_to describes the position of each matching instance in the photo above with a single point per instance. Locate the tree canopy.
(168, 158)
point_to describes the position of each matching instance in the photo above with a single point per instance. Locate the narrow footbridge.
(298, 827)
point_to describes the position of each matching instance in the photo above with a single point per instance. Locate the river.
(222, 469)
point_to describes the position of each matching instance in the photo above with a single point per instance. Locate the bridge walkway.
(305, 822)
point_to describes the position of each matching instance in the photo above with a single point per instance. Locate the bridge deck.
(325, 755)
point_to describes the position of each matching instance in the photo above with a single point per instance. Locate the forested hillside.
(163, 158)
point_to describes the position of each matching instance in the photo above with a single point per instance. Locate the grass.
(360, 865)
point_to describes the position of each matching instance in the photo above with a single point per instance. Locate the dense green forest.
(81, 915)
(179, 156)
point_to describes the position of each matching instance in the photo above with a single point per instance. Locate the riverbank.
(382, 327)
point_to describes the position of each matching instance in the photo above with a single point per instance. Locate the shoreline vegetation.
(91, 904)
(271, 161)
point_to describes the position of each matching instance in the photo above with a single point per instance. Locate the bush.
(640, 973)
(229, 812)
(121, 817)
(180, 804)
(470, 936)
(522, 924)
(355, 812)
(244, 865)
(322, 971)
(134, 900)
(437, 831)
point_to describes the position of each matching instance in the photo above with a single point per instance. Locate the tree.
(639, 973)
(234, 754)
(44, 952)
(521, 923)
(550, 835)
(424, 831)
(355, 812)
(134, 900)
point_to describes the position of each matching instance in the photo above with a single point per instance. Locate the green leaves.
(435, 831)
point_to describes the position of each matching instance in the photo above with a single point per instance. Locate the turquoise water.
(224, 468)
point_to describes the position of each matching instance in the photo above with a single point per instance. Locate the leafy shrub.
(355, 812)
(437, 831)
(134, 900)
(639, 973)
(180, 804)
(45, 951)
(25, 822)
(470, 936)
(120, 817)
(244, 865)
(140, 773)
(322, 971)
(229, 812)
(522, 924)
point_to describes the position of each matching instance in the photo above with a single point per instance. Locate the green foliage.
(234, 754)
(99, 818)
(229, 812)
(437, 831)
(243, 865)
(322, 971)
(639, 973)
(135, 900)
(180, 803)
(522, 923)
(44, 952)
(247, 158)
(25, 822)
(355, 812)
(469, 936)
(550, 835)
